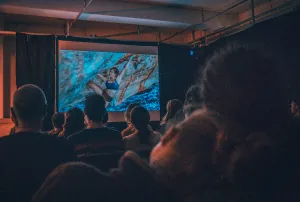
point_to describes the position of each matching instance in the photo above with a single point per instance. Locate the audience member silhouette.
(127, 113)
(130, 129)
(28, 155)
(74, 122)
(77, 182)
(58, 120)
(96, 138)
(239, 93)
(192, 100)
(193, 95)
(250, 101)
(138, 181)
(172, 117)
(184, 160)
(143, 137)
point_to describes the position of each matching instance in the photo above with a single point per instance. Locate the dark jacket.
(26, 159)
(97, 140)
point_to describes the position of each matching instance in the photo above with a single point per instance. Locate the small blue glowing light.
(191, 52)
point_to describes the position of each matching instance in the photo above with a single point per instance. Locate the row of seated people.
(95, 137)
(237, 142)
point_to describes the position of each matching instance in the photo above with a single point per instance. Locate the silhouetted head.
(245, 86)
(128, 111)
(74, 122)
(77, 182)
(95, 108)
(173, 107)
(192, 100)
(114, 73)
(184, 158)
(140, 118)
(29, 104)
(193, 95)
(243, 90)
(58, 120)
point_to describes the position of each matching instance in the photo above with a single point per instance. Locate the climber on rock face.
(118, 89)
(112, 83)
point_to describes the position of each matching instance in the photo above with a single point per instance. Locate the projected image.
(121, 78)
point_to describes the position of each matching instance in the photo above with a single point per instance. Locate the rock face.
(140, 82)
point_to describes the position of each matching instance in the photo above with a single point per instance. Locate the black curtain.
(35, 64)
(178, 71)
(278, 38)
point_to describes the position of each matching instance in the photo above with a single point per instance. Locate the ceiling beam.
(79, 14)
(116, 12)
(206, 20)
